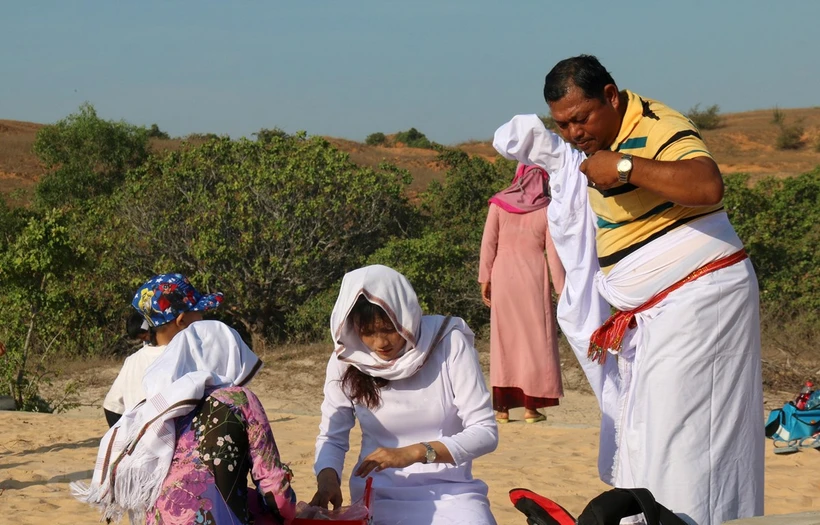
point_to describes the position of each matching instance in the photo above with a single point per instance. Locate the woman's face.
(382, 339)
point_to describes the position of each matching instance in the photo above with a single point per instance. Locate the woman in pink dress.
(516, 283)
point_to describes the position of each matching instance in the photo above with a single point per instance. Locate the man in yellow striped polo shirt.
(672, 178)
(682, 402)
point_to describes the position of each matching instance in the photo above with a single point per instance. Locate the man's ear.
(612, 95)
(180, 321)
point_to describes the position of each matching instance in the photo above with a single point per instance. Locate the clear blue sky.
(453, 69)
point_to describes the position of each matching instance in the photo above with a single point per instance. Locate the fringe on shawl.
(135, 490)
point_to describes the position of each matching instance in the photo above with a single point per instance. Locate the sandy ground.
(41, 453)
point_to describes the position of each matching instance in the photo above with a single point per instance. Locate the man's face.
(588, 123)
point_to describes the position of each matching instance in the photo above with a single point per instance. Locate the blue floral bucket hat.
(164, 297)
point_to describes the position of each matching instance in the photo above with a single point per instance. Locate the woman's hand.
(485, 293)
(383, 458)
(329, 489)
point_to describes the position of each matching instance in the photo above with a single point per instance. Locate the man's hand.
(329, 489)
(485, 294)
(601, 169)
(383, 458)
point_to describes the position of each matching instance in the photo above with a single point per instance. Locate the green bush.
(413, 138)
(155, 133)
(707, 119)
(36, 263)
(200, 137)
(375, 139)
(265, 135)
(790, 137)
(779, 223)
(86, 156)
(778, 116)
(310, 321)
(269, 224)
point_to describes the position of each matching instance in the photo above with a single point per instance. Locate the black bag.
(606, 509)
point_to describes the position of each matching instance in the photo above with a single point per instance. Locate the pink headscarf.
(528, 191)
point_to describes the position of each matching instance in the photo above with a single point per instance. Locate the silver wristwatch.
(624, 168)
(430, 455)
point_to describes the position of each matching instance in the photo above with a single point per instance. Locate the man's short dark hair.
(584, 71)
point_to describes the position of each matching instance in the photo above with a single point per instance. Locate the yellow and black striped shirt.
(630, 217)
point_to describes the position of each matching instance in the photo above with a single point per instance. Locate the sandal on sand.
(502, 420)
(537, 419)
(781, 446)
(810, 442)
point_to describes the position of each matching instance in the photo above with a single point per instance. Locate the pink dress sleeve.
(271, 475)
(489, 245)
(556, 269)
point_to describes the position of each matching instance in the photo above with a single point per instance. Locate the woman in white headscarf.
(415, 385)
(183, 455)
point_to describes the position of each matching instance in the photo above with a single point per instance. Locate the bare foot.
(502, 415)
(531, 414)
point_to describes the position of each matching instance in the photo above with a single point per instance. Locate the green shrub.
(778, 116)
(155, 133)
(413, 138)
(707, 119)
(779, 223)
(86, 156)
(375, 139)
(790, 137)
(36, 263)
(265, 135)
(271, 225)
(310, 321)
(200, 137)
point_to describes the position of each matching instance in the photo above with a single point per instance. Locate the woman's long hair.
(359, 387)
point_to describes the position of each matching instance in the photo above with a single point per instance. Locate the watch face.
(624, 165)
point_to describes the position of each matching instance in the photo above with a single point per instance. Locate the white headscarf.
(390, 290)
(135, 454)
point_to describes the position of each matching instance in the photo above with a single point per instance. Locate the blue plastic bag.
(789, 423)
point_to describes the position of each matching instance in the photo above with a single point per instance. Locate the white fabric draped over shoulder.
(135, 454)
(572, 223)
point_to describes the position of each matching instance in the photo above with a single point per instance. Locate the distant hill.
(745, 142)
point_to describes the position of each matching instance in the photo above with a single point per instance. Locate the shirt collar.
(633, 115)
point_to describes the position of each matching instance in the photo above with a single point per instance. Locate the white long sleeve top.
(447, 400)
